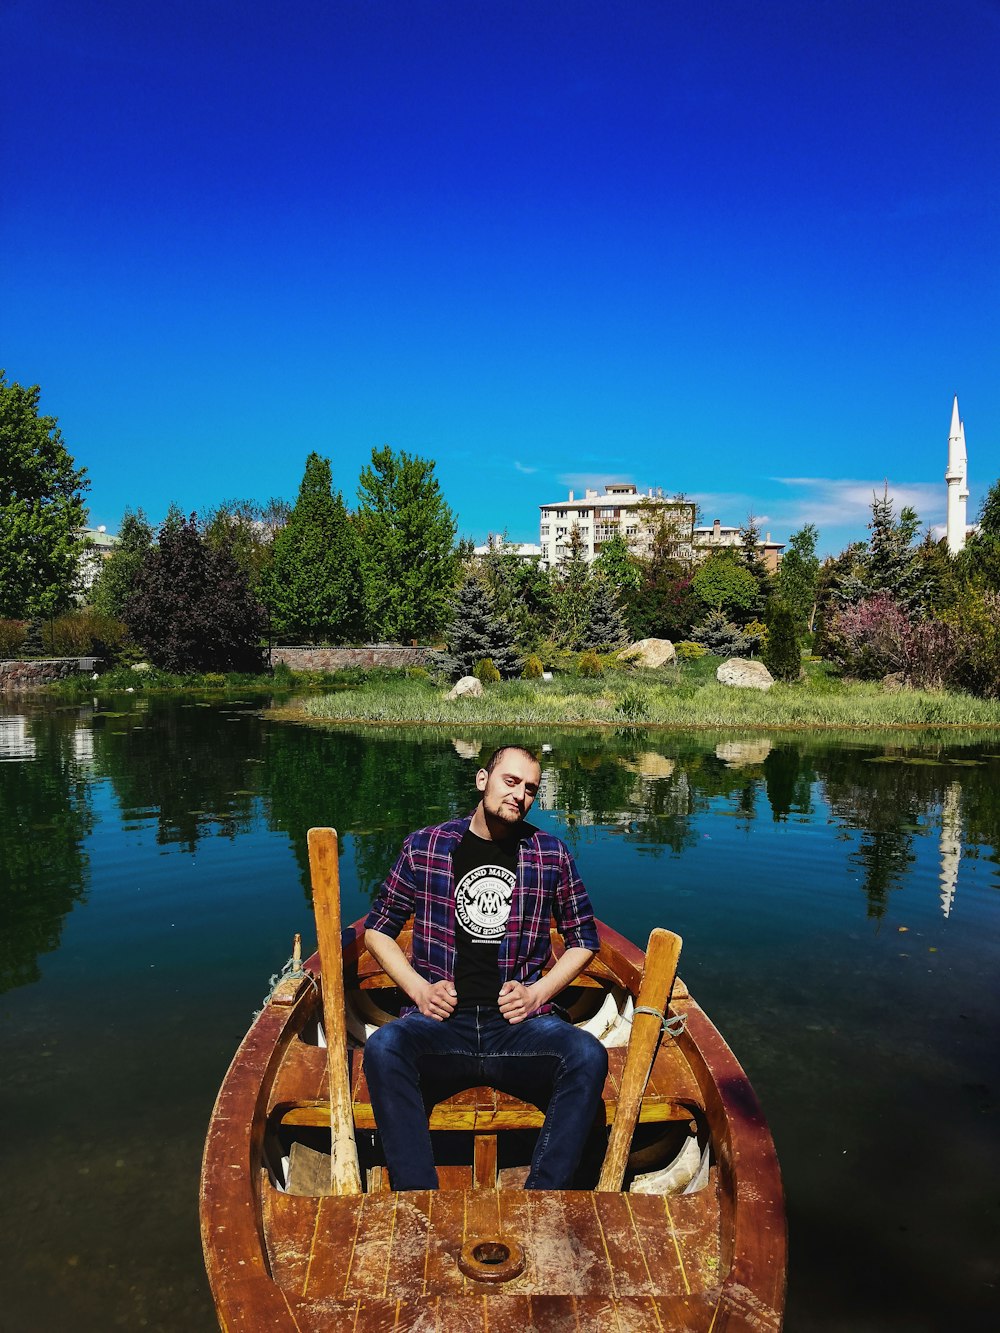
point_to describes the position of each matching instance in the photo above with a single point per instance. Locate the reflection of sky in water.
(838, 904)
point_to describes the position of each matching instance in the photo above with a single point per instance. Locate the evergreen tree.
(477, 631)
(572, 593)
(753, 562)
(797, 578)
(191, 608)
(116, 578)
(666, 604)
(605, 629)
(521, 591)
(407, 541)
(41, 508)
(312, 587)
(891, 565)
(781, 654)
(720, 636)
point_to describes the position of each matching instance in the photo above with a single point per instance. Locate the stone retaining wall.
(335, 659)
(32, 675)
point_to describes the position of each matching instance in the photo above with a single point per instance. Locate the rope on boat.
(292, 969)
(674, 1025)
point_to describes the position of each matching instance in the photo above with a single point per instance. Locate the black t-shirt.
(485, 875)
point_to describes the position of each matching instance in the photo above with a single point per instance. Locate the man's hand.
(517, 1001)
(436, 1000)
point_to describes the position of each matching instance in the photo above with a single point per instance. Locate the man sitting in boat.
(482, 892)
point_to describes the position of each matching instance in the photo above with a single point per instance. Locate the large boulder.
(650, 652)
(745, 674)
(466, 688)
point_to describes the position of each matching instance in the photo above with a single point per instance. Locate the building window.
(607, 513)
(584, 513)
(560, 513)
(545, 532)
(631, 530)
(560, 532)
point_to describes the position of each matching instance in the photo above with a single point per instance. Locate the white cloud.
(830, 502)
(523, 467)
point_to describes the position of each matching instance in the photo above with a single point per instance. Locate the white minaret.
(956, 477)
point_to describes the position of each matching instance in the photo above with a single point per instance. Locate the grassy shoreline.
(688, 699)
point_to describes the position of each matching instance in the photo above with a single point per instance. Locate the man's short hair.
(495, 757)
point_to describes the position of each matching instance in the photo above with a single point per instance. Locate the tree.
(113, 585)
(521, 591)
(797, 578)
(477, 631)
(41, 508)
(605, 629)
(572, 592)
(247, 529)
(980, 561)
(724, 584)
(312, 584)
(666, 605)
(616, 564)
(753, 561)
(891, 565)
(191, 607)
(407, 541)
(781, 654)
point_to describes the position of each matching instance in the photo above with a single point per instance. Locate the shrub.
(976, 650)
(869, 639)
(486, 672)
(689, 651)
(12, 636)
(416, 673)
(754, 637)
(84, 633)
(589, 664)
(781, 651)
(533, 668)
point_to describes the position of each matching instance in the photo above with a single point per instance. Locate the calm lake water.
(839, 899)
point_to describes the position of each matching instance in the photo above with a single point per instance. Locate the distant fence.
(335, 659)
(33, 674)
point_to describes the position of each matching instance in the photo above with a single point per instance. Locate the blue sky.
(747, 251)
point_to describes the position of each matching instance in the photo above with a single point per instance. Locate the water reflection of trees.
(46, 816)
(181, 765)
(375, 785)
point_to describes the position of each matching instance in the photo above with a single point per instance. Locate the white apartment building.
(621, 509)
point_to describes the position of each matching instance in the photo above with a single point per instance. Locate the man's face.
(510, 790)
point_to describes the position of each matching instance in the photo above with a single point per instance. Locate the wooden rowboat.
(694, 1241)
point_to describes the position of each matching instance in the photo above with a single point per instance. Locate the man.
(482, 891)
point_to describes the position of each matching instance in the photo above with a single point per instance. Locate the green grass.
(690, 697)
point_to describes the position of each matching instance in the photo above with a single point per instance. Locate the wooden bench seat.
(485, 1110)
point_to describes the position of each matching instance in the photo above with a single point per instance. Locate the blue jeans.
(543, 1060)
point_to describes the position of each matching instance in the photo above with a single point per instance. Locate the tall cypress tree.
(312, 587)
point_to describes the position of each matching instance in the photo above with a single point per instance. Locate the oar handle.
(658, 974)
(345, 1173)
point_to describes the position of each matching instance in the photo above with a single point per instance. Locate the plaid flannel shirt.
(422, 884)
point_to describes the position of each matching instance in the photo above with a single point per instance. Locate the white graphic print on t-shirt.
(482, 902)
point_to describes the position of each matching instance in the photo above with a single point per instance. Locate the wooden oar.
(345, 1174)
(658, 973)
